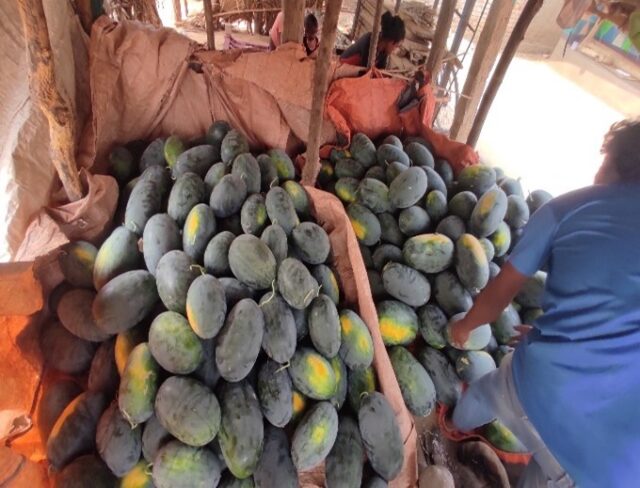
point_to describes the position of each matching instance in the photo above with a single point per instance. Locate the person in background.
(392, 33)
(310, 39)
(570, 391)
(275, 33)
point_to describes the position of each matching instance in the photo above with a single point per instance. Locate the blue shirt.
(577, 374)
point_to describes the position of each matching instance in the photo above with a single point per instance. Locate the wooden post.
(293, 20)
(375, 33)
(186, 7)
(484, 57)
(356, 19)
(208, 22)
(439, 44)
(463, 24)
(44, 91)
(320, 86)
(530, 10)
(177, 11)
(397, 9)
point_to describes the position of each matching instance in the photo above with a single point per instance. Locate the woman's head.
(621, 149)
(392, 32)
(310, 26)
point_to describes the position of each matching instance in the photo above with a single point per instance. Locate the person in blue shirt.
(571, 389)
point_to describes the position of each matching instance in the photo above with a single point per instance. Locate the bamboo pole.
(293, 21)
(439, 44)
(208, 22)
(356, 19)
(177, 11)
(320, 86)
(483, 59)
(529, 11)
(246, 11)
(463, 24)
(375, 34)
(45, 92)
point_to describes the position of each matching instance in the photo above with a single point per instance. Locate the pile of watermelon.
(209, 334)
(431, 242)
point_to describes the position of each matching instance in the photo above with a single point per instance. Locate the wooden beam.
(241, 12)
(208, 22)
(320, 86)
(463, 24)
(484, 57)
(439, 43)
(293, 20)
(356, 19)
(177, 11)
(530, 10)
(46, 94)
(375, 34)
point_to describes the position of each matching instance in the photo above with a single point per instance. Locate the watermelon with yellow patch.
(299, 197)
(312, 374)
(173, 147)
(488, 213)
(298, 404)
(429, 253)
(502, 438)
(478, 179)
(398, 323)
(139, 385)
(340, 370)
(138, 477)
(360, 383)
(284, 165)
(76, 262)
(327, 281)
(346, 188)
(253, 216)
(365, 224)
(314, 437)
(356, 349)
(125, 342)
(501, 239)
(472, 265)
(199, 228)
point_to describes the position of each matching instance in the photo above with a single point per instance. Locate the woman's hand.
(458, 334)
(523, 330)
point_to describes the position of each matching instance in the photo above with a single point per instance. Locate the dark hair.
(392, 28)
(621, 147)
(310, 21)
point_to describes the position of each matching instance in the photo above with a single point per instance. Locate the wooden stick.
(397, 9)
(208, 22)
(356, 19)
(529, 11)
(320, 86)
(375, 33)
(45, 92)
(484, 57)
(293, 20)
(186, 7)
(439, 43)
(247, 11)
(177, 10)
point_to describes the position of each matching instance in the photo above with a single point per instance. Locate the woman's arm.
(490, 303)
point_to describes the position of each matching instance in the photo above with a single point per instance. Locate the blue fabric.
(577, 374)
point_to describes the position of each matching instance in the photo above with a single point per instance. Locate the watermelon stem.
(273, 182)
(283, 367)
(273, 292)
(199, 268)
